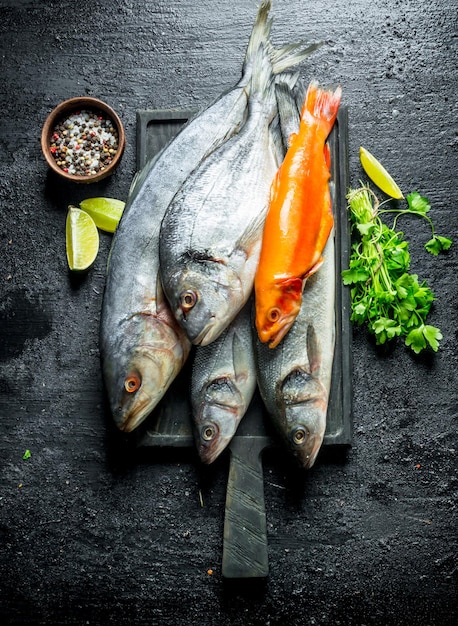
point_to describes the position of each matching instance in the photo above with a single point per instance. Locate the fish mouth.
(274, 335)
(207, 334)
(159, 365)
(275, 340)
(307, 424)
(132, 419)
(307, 455)
(208, 455)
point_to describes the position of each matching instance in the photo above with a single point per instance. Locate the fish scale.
(211, 233)
(299, 218)
(142, 347)
(223, 383)
(301, 401)
(295, 375)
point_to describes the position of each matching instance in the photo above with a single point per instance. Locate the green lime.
(82, 239)
(378, 174)
(106, 212)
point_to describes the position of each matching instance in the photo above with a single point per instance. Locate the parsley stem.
(400, 213)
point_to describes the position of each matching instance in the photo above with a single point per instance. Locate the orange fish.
(299, 220)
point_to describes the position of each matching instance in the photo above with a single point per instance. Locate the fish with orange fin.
(295, 377)
(299, 219)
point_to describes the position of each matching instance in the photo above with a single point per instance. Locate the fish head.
(277, 306)
(205, 297)
(140, 365)
(303, 402)
(217, 417)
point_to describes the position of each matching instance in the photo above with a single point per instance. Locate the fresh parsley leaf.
(432, 335)
(384, 295)
(365, 229)
(438, 244)
(424, 335)
(385, 328)
(416, 340)
(355, 275)
(418, 204)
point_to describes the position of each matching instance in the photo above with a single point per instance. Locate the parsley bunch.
(385, 296)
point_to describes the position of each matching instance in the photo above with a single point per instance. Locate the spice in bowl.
(84, 143)
(83, 139)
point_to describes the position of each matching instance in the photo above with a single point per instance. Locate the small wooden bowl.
(60, 114)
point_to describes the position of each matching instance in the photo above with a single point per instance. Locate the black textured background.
(93, 531)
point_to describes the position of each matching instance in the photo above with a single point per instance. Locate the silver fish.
(142, 346)
(211, 233)
(295, 377)
(223, 382)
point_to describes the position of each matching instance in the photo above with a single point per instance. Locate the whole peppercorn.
(82, 141)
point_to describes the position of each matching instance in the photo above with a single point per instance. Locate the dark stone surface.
(93, 530)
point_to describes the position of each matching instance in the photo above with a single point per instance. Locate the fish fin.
(313, 269)
(253, 233)
(327, 221)
(299, 91)
(288, 112)
(292, 285)
(287, 79)
(313, 350)
(327, 155)
(239, 351)
(262, 79)
(321, 104)
(260, 32)
(276, 141)
(282, 58)
(160, 295)
(286, 57)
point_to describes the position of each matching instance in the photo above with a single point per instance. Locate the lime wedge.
(82, 239)
(378, 174)
(106, 212)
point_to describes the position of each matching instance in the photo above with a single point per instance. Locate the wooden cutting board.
(245, 537)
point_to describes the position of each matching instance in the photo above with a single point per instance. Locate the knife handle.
(245, 537)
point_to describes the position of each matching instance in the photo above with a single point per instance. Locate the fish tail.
(257, 67)
(321, 104)
(262, 80)
(269, 74)
(282, 59)
(287, 108)
(260, 33)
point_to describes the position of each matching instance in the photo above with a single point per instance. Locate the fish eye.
(208, 432)
(300, 435)
(132, 383)
(273, 315)
(187, 300)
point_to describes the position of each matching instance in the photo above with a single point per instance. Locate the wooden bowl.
(60, 115)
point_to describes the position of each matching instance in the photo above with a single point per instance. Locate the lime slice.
(82, 238)
(106, 212)
(378, 174)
